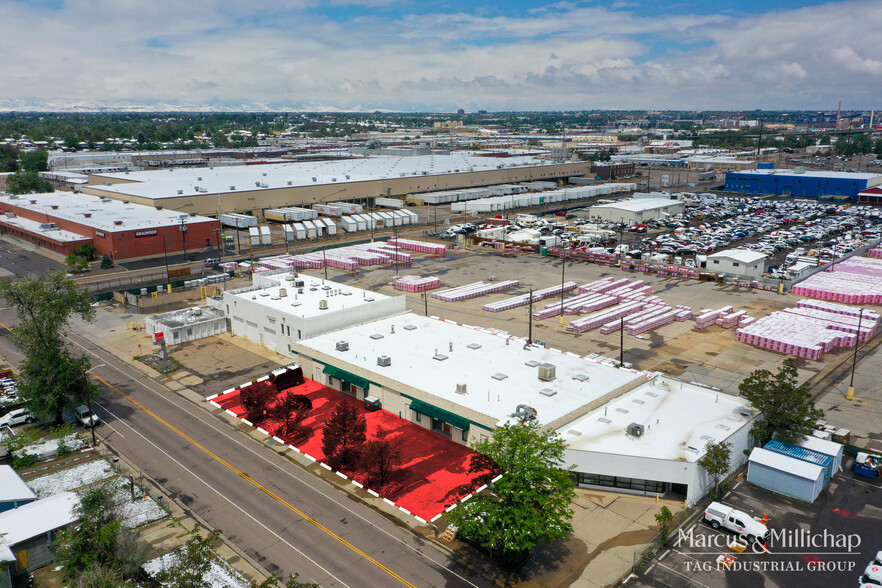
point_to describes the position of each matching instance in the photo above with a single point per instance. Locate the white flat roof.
(412, 351)
(811, 173)
(102, 212)
(742, 255)
(640, 204)
(32, 226)
(305, 304)
(679, 419)
(36, 518)
(791, 465)
(12, 487)
(166, 183)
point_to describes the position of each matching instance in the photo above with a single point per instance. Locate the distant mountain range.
(25, 105)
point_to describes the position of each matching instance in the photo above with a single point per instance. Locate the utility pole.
(622, 343)
(857, 344)
(184, 238)
(426, 303)
(530, 318)
(325, 262)
(165, 256)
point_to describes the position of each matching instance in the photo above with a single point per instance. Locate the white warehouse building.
(649, 440)
(636, 210)
(742, 262)
(284, 307)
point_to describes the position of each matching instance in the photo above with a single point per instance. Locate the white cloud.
(563, 56)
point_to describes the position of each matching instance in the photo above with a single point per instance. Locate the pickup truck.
(740, 523)
(84, 416)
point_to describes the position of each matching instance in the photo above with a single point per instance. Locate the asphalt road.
(286, 519)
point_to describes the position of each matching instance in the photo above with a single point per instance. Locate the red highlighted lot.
(433, 471)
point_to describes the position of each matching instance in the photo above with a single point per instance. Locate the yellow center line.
(259, 486)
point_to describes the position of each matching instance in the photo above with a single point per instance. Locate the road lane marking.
(319, 492)
(256, 484)
(216, 491)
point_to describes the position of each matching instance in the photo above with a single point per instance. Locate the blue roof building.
(823, 185)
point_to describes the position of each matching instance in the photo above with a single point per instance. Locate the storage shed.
(831, 448)
(803, 454)
(785, 475)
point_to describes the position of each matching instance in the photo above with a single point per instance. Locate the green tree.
(191, 562)
(35, 161)
(76, 263)
(343, 433)
(99, 540)
(8, 158)
(106, 261)
(27, 182)
(51, 379)
(86, 250)
(256, 400)
(381, 455)
(664, 517)
(788, 410)
(716, 461)
(530, 503)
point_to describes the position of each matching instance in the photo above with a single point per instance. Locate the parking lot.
(828, 543)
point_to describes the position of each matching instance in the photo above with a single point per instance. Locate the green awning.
(439, 414)
(345, 376)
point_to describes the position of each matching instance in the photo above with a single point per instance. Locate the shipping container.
(288, 233)
(266, 238)
(785, 475)
(349, 224)
(826, 447)
(254, 233)
(299, 230)
(804, 454)
(310, 229)
(330, 226)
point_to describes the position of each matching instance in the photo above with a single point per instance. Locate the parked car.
(84, 416)
(19, 416)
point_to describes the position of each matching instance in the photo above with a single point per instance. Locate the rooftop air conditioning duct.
(384, 361)
(232, 187)
(323, 304)
(117, 222)
(635, 430)
(342, 345)
(87, 214)
(547, 372)
(180, 191)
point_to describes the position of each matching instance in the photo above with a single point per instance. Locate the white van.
(720, 515)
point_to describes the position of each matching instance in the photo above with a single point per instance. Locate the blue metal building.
(785, 475)
(807, 184)
(804, 454)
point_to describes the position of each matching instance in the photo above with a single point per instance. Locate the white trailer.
(387, 218)
(389, 202)
(362, 222)
(238, 221)
(266, 238)
(254, 232)
(349, 224)
(299, 230)
(288, 233)
(311, 232)
(330, 226)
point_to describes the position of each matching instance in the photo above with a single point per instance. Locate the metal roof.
(784, 463)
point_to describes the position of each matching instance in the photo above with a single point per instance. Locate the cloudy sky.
(440, 55)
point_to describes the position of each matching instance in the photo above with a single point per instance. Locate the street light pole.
(165, 257)
(89, 401)
(857, 344)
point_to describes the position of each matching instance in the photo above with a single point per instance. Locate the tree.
(788, 410)
(86, 250)
(292, 409)
(343, 433)
(51, 379)
(106, 261)
(99, 540)
(8, 158)
(716, 461)
(664, 517)
(256, 400)
(190, 563)
(76, 263)
(27, 182)
(381, 455)
(530, 503)
(35, 161)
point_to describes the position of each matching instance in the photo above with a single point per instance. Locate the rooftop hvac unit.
(323, 304)
(198, 178)
(461, 389)
(342, 345)
(384, 361)
(635, 430)
(283, 292)
(180, 191)
(299, 283)
(547, 372)
(232, 187)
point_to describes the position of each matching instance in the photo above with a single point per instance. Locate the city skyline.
(366, 55)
